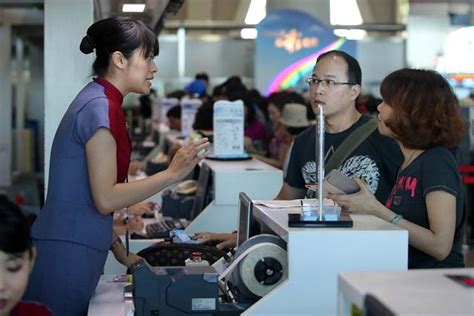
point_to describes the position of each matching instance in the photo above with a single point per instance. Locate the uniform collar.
(114, 93)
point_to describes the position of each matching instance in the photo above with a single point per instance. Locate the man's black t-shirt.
(376, 160)
(434, 170)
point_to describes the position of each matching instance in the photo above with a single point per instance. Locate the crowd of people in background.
(271, 122)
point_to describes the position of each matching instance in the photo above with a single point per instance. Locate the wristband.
(396, 219)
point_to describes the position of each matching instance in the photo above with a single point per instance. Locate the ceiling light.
(248, 33)
(256, 12)
(344, 12)
(210, 38)
(133, 7)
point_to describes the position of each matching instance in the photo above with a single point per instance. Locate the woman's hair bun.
(87, 45)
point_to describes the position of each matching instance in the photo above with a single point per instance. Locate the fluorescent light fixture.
(210, 38)
(248, 33)
(256, 12)
(350, 34)
(133, 7)
(340, 32)
(344, 12)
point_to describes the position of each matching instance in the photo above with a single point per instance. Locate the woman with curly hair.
(421, 112)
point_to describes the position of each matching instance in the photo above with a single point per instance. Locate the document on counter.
(229, 129)
(291, 203)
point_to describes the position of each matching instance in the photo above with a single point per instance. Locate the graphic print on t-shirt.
(355, 167)
(405, 183)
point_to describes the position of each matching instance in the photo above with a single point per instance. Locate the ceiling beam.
(21, 16)
(366, 11)
(199, 10)
(225, 10)
(378, 11)
(20, 3)
(234, 25)
(242, 9)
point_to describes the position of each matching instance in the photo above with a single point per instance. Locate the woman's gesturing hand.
(187, 157)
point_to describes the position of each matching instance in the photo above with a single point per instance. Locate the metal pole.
(20, 104)
(320, 161)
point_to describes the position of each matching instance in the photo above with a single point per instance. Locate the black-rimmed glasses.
(327, 82)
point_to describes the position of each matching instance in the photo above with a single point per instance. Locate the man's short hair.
(354, 73)
(202, 76)
(175, 112)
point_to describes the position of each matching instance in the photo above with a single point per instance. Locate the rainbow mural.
(298, 70)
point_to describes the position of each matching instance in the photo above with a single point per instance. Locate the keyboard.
(162, 228)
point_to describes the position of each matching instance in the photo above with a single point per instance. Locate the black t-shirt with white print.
(434, 170)
(376, 160)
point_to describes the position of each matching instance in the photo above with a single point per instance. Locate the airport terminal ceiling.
(222, 17)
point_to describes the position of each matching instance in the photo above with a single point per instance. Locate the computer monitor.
(245, 218)
(204, 190)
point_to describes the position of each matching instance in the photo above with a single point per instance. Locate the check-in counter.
(254, 177)
(258, 179)
(317, 255)
(315, 258)
(413, 292)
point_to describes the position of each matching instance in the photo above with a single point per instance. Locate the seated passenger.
(255, 132)
(17, 258)
(174, 117)
(292, 122)
(203, 121)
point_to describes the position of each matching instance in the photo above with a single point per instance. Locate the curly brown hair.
(426, 111)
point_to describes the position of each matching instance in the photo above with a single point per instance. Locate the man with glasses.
(335, 84)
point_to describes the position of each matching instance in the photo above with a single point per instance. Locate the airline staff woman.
(88, 170)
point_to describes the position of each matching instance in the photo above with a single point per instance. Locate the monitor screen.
(245, 216)
(203, 193)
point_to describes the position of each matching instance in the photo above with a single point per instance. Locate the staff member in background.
(88, 170)
(421, 112)
(17, 258)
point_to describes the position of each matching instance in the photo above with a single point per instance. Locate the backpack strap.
(350, 144)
